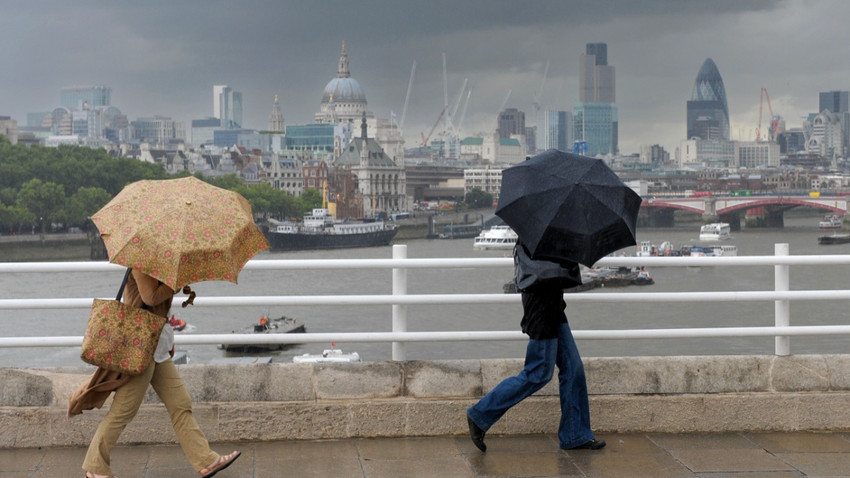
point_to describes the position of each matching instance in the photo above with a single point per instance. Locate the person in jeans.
(550, 343)
(162, 375)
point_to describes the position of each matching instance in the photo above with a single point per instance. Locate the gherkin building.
(708, 113)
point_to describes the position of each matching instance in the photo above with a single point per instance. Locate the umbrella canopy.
(180, 231)
(566, 206)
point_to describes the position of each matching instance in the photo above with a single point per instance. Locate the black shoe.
(589, 445)
(477, 434)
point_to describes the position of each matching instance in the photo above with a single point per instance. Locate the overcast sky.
(162, 57)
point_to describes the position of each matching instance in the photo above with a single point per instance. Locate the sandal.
(221, 463)
(95, 475)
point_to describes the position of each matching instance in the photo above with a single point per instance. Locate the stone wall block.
(271, 421)
(797, 373)
(355, 380)
(493, 371)
(24, 427)
(331, 419)
(839, 371)
(377, 418)
(24, 389)
(430, 417)
(534, 415)
(443, 378)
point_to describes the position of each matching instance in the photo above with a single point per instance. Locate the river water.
(799, 232)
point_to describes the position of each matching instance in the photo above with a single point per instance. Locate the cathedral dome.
(343, 88)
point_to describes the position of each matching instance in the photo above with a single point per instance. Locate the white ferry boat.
(497, 238)
(831, 222)
(713, 251)
(716, 231)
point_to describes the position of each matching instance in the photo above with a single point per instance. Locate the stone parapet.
(277, 401)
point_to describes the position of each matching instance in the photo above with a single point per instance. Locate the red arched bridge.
(769, 209)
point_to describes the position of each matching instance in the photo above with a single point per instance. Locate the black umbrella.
(566, 206)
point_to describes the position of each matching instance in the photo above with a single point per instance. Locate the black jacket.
(543, 313)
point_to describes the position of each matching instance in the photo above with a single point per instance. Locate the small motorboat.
(328, 355)
(281, 325)
(176, 324)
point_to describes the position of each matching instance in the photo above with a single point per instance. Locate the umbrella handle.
(191, 299)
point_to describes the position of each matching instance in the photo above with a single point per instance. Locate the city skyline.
(164, 59)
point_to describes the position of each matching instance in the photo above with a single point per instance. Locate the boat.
(496, 238)
(716, 231)
(176, 324)
(834, 239)
(831, 222)
(328, 355)
(712, 251)
(460, 231)
(281, 325)
(604, 277)
(648, 249)
(319, 230)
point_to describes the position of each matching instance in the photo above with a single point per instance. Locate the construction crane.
(426, 138)
(774, 123)
(536, 96)
(407, 99)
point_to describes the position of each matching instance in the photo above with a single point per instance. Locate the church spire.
(276, 122)
(343, 63)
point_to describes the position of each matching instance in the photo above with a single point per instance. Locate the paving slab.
(632, 455)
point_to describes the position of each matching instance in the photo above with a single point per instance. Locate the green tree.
(15, 219)
(477, 198)
(311, 198)
(85, 202)
(45, 200)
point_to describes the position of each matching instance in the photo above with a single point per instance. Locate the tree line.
(54, 189)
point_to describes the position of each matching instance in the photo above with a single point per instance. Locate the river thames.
(799, 232)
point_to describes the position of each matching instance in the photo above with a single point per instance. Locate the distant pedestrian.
(550, 343)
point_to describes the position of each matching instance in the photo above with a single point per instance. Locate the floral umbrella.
(180, 231)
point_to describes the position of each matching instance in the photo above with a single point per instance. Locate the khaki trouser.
(166, 382)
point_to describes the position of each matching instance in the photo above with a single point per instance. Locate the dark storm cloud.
(163, 57)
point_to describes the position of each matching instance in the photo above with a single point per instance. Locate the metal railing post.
(782, 308)
(399, 310)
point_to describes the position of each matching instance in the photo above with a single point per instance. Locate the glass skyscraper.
(707, 111)
(834, 101)
(554, 130)
(227, 106)
(595, 115)
(596, 124)
(73, 97)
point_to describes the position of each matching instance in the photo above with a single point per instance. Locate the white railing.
(782, 295)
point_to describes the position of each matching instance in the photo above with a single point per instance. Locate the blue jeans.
(541, 356)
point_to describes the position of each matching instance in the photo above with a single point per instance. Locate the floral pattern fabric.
(120, 338)
(180, 231)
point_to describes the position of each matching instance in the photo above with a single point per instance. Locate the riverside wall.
(256, 402)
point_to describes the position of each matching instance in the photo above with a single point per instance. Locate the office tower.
(227, 106)
(596, 76)
(554, 130)
(707, 111)
(74, 97)
(834, 101)
(595, 116)
(511, 122)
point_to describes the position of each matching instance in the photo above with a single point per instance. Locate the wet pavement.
(751, 455)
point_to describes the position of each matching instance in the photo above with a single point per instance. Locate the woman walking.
(143, 291)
